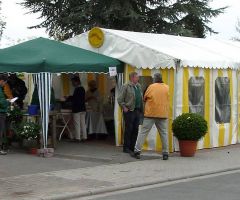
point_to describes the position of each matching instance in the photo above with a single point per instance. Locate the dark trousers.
(132, 119)
(2, 128)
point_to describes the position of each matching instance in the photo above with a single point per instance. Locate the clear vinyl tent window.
(196, 95)
(222, 100)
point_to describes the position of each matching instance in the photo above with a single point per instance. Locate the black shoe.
(165, 157)
(136, 155)
(126, 151)
(74, 140)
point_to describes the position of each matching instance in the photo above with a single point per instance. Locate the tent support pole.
(177, 66)
(237, 75)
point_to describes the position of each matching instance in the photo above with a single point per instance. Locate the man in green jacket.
(131, 101)
(3, 110)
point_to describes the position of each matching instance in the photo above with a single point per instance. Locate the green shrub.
(14, 115)
(189, 126)
(27, 130)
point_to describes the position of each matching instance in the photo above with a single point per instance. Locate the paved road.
(222, 187)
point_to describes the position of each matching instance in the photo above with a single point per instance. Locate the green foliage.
(189, 126)
(14, 115)
(66, 18)
(27, 130)
(35, 98)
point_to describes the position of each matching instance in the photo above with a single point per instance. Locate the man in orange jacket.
(156, 112)
(7, 91)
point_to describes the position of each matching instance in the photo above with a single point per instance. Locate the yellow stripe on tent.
(164, 73)
(220, 73)
(128, 70)
(90, 77)
(207, 107)
(231, 96)
(101, 84)
(146, 72)
(120, 126)
(65, 84)
(185, 107)
(196, 71)
(221, 135)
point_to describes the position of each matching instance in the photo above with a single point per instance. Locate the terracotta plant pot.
(187, 148)
(33, 151)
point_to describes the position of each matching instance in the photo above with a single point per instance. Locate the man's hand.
(125, 109)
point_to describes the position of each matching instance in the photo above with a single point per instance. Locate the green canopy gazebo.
(42, 57)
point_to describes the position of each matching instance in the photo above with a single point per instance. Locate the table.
(95, 123)
(52, 119)
(65, 116)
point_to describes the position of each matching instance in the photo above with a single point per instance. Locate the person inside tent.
(93, 96)
(7, 91)
(3, 110)
(18, 88)
(79, 110)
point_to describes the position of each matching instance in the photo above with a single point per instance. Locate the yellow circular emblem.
(96, 37)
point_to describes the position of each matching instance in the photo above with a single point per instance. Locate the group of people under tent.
(10, 87)
(81, 101)
(153, 105)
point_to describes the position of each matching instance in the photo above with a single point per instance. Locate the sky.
(18, 22)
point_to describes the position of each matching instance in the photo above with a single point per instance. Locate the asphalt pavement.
(88, 171)
(220, 187)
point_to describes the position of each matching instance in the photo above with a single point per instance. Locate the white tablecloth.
(95, 123)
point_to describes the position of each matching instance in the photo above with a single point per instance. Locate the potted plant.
(28, 133)
(189, 128)
(14, 116)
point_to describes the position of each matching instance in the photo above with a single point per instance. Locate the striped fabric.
(118, 120)
(218, 134)
(44, 84)
(153, 141)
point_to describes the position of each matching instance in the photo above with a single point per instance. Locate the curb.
(134, 185)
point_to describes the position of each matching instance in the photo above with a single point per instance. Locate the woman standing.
(93, 97)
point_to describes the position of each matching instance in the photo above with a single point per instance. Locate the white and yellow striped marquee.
(219, 134)
(180, 60)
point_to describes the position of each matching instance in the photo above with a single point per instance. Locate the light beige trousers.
(80, 129)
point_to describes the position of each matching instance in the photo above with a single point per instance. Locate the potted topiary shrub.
(28, 134)
(189, 128)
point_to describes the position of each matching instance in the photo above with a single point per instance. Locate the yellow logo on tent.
(96, 37)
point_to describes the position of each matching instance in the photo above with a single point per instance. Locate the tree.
(66, 18)
(2, 23)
